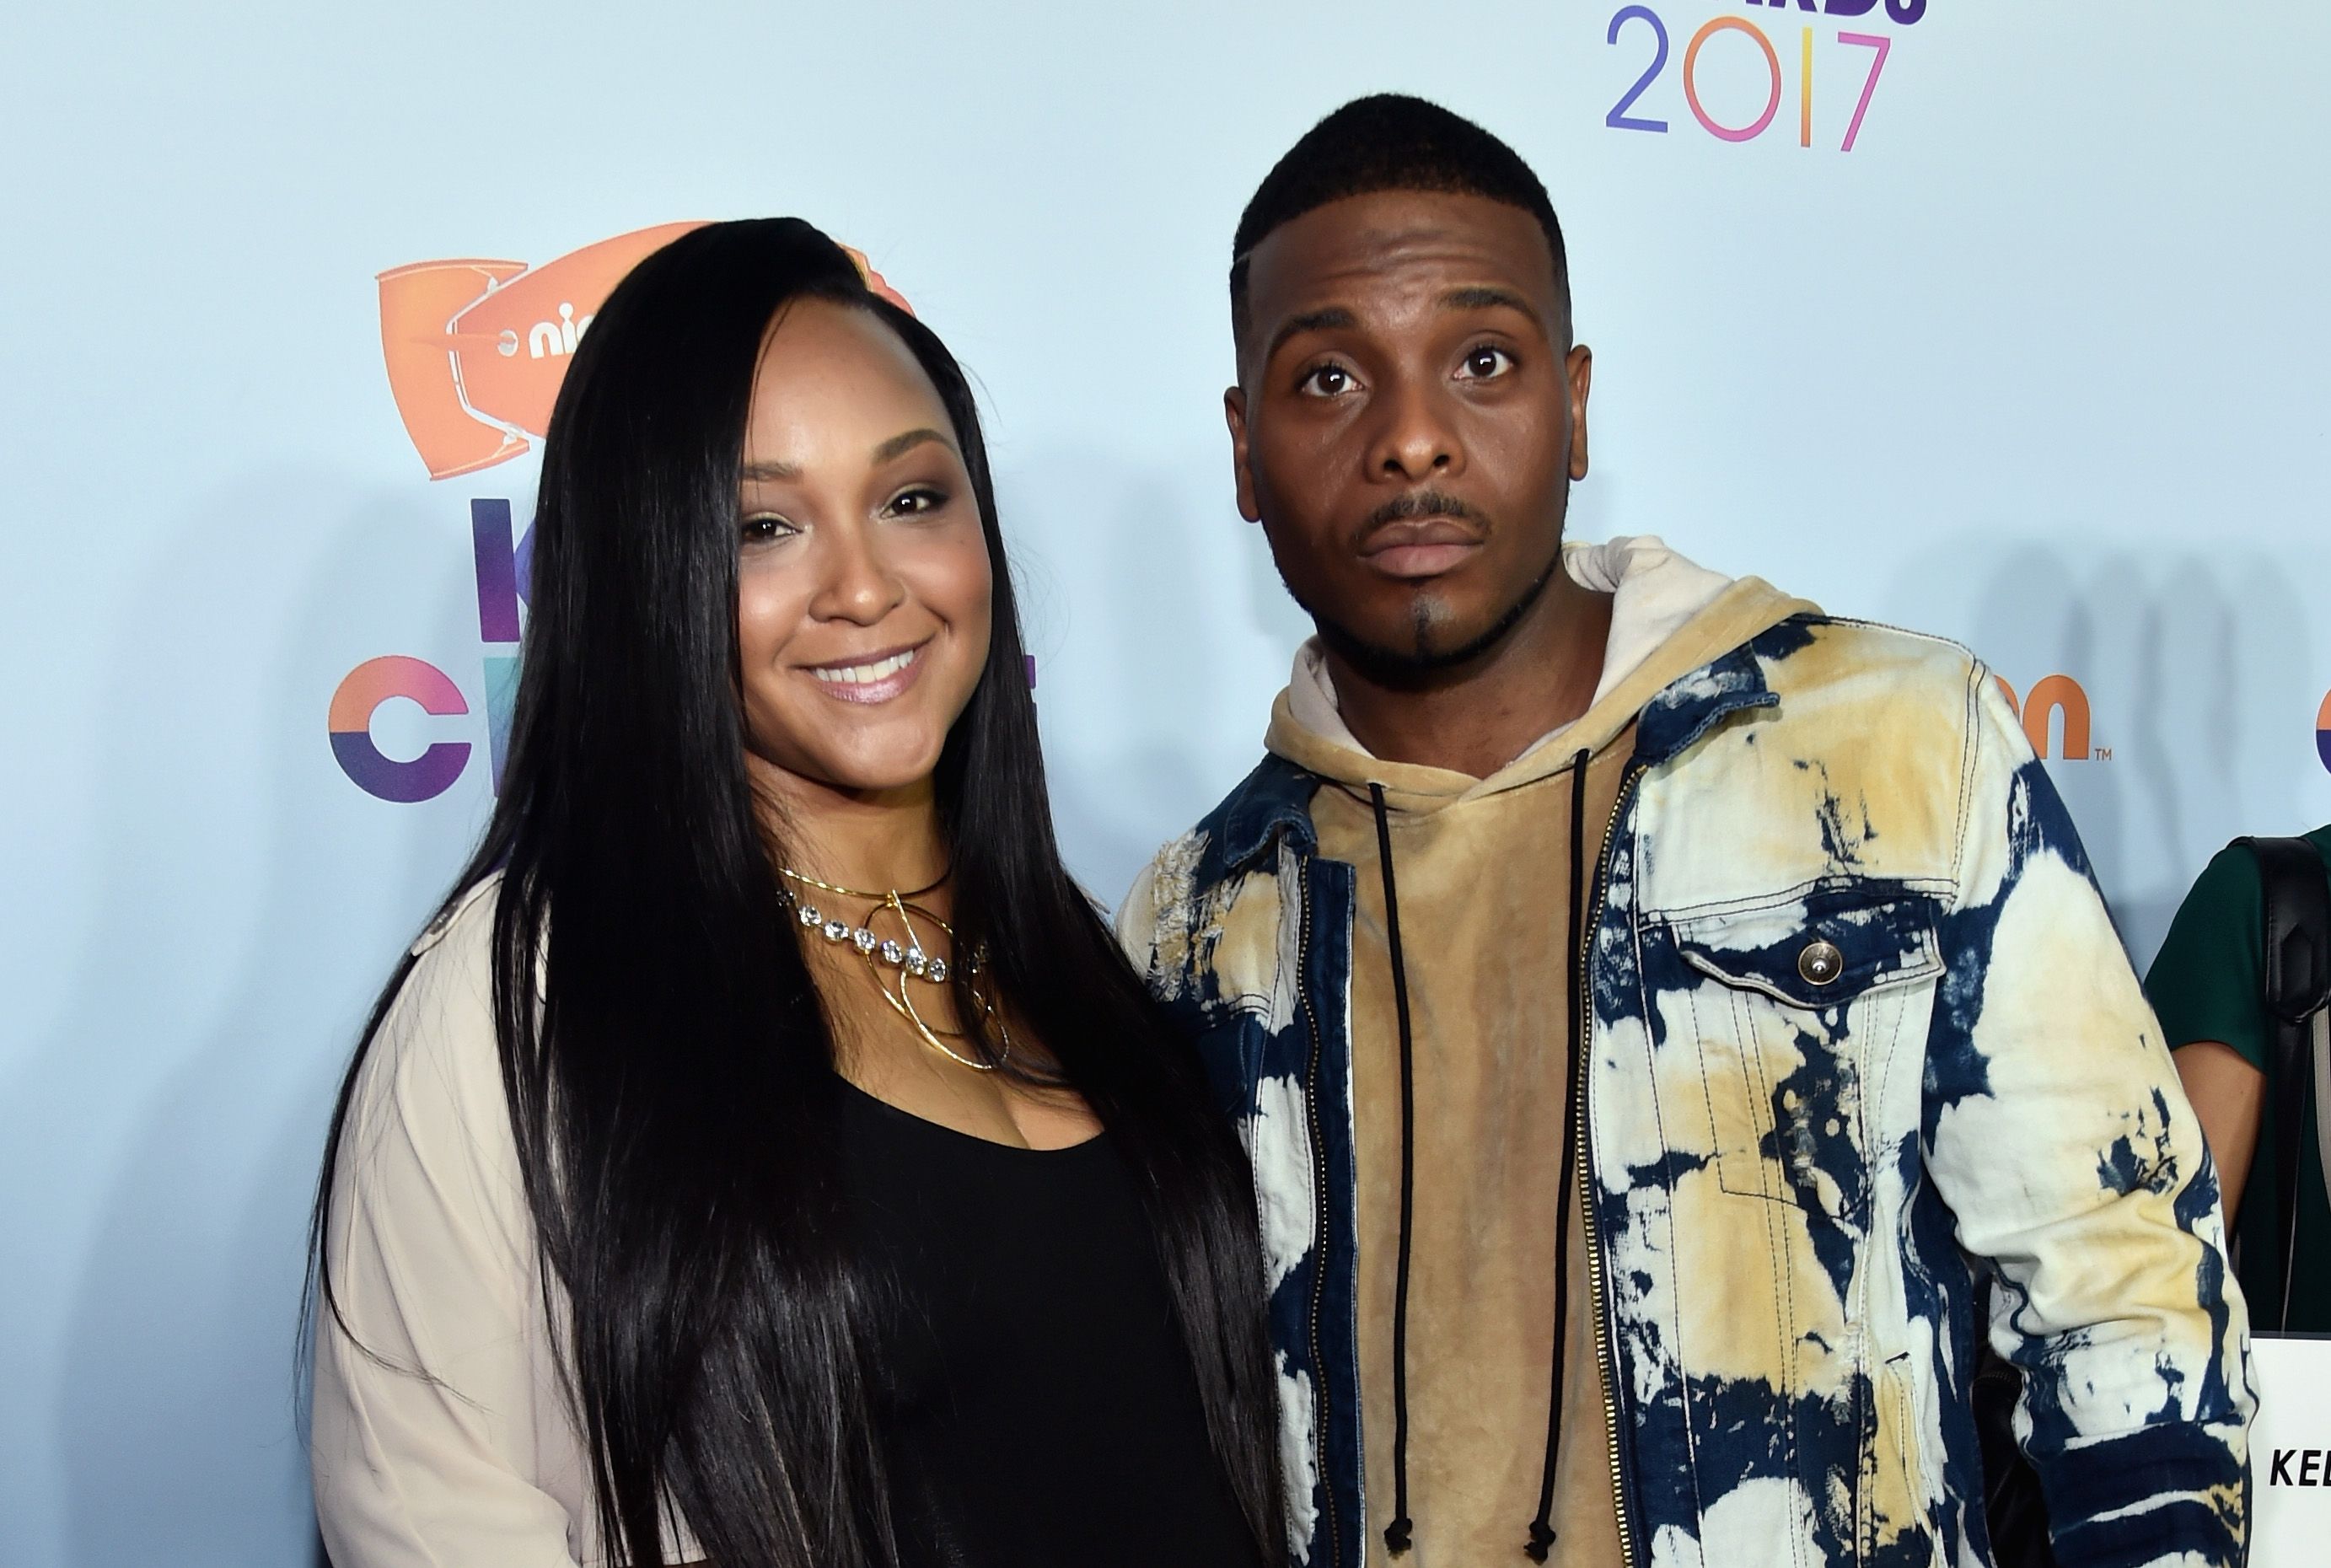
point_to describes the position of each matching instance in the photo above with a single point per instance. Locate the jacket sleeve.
(2056, 1130)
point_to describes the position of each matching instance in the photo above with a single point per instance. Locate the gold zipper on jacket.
(1604, 1361)
(1318, 1213)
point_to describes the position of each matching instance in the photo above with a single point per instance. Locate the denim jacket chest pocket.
(1797, 1004)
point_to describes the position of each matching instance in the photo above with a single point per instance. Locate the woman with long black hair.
(766, 1157)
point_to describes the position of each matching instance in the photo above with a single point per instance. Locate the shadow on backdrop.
(2172, 656)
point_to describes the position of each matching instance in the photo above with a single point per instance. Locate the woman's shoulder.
(2206, 978)
(433, 1067)
(449, 977)
(467, 917)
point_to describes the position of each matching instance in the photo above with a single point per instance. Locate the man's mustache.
(1415, 504)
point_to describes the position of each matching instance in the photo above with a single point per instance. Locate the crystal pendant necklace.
(895, 964)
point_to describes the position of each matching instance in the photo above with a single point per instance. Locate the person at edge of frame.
(1651, 1004)
(685, 1204)
(2208, 984)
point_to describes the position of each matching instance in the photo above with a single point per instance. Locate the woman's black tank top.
(1040, 1407)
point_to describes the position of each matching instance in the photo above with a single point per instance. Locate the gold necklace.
(909, 959)
(807, 880)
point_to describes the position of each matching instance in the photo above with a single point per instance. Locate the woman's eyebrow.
(907, 441)
(897, 446)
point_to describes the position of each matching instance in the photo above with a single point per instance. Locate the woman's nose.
(857, 585)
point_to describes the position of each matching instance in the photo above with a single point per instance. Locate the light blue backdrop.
(2039, 365)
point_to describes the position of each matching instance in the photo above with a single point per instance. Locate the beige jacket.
(443, 1435)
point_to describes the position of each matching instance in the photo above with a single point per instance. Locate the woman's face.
(863, 592)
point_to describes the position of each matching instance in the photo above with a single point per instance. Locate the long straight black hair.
(669, 1065)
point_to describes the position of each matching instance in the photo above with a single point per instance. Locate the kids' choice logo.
(500, 565)
(360, 696)
(476, 350)
(1737, 71)
(2056, 705)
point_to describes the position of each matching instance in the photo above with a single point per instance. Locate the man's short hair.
(1390, 142)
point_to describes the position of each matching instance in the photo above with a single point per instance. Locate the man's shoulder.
(1273, 800)
(1864, 660)
(1848, 748)
(1190, 881)
(1871, 684)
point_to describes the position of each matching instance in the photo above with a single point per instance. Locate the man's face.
(1409, 414)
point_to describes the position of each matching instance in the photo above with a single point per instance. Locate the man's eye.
(1326, 381)
(1484, 362)
(764, 527)
(920, 502)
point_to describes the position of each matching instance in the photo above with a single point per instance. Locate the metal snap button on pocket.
(1820, 963)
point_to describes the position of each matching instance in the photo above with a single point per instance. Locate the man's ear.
(1234, 415)
(1579, 369)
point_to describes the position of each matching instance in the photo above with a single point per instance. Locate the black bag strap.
(2297, 985)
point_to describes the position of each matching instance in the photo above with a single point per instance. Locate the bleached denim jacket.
(1801, 1161)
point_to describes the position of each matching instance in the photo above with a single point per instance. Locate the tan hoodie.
(1482, 879)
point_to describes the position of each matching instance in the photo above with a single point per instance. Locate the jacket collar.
(1688, 707)
(1273, 800)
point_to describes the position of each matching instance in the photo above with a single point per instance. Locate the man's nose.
(1416, 440)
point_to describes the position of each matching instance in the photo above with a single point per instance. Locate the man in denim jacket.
(1651, 1005)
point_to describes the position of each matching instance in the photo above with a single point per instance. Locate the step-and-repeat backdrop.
(1999, 321)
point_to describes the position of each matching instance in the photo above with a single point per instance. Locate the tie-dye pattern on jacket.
(1800, 1165)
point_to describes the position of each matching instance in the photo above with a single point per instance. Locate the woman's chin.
(907, 774)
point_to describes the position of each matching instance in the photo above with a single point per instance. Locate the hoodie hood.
(1668, 616)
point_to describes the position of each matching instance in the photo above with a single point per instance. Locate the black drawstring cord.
(1541, 1535)
(1398, 1533)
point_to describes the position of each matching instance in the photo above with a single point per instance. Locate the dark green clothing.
(2208, 984)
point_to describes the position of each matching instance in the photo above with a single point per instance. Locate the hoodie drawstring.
(1541, 1534)
(1397, 1533)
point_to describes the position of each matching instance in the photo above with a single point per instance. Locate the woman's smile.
(876, 678)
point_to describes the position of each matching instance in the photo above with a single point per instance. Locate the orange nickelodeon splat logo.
(2051, 695)
(476, 349)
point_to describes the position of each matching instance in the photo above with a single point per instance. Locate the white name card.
(2290, 1454)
